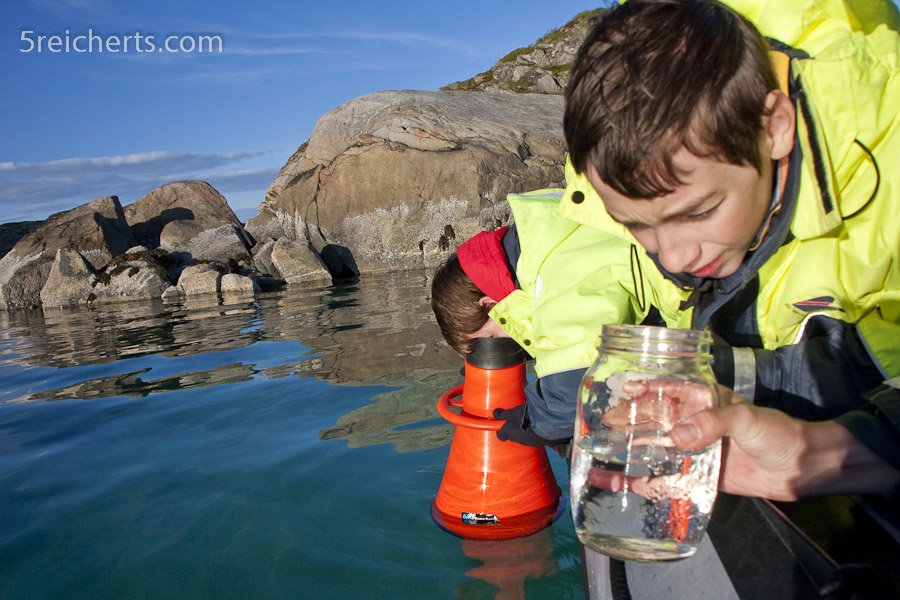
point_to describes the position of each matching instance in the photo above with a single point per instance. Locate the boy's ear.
(779, 124)
(486, 302)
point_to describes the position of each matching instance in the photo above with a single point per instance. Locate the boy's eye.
(702, 216)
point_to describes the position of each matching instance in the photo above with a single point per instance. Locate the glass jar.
(634, 496)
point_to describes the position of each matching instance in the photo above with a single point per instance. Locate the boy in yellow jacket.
(550, 284)
(761, 182)
(759, 176)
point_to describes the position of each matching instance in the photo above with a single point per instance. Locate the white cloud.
(277, 51)
(32, 191)
(257, 45)
(135, 163)
(411, 39)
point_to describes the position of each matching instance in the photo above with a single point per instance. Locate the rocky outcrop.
(195, 203)
(390, 181)
(542, 68)
(192, 221)
(89, 254)
(97, 230)
(393, 180)
(135, 276)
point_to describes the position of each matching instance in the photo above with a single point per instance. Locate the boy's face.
(490, 329)
(705, 226)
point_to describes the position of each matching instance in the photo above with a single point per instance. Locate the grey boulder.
(396, 179)
(69, 281)
(195, 202)
(97, 230)
(297, 263)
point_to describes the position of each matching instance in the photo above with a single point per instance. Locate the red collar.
(484, 261)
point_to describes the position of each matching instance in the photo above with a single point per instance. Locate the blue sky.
(80, 125)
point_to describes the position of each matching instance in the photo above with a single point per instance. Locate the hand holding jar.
(634, 495)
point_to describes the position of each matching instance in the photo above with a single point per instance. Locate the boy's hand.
(763, 452)
(517, 427)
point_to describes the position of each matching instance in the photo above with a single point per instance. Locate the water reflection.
(134, 386)
(506, 564)
(378, 331)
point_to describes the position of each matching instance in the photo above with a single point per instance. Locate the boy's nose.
(676, 253)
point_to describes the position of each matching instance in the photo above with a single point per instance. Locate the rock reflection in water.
(133, 385)
(378, 331)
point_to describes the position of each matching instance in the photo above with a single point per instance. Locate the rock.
(542, 68)
(265, 225)
(69, 281)
(199, 279)
(22, 278)
(531, 77)
(131, 279)
(176, 236)
(224, 243)
(97, 230)
(171, 294)
(193, 201)
(233, 283)
(296, 263)
(188, 243)
(262, 259)
(396, 179)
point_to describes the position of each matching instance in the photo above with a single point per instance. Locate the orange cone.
(491, 489)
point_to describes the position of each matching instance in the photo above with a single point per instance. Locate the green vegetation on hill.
(551, 38)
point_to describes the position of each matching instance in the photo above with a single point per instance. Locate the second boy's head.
(467, 286)
(673, 113)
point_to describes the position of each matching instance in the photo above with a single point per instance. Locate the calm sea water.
(280, 447)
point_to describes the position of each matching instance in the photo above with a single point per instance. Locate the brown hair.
(653, 77)
(455, 302)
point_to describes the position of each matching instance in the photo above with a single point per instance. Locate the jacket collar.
(581, 203)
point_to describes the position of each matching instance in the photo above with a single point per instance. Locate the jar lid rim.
(651, 332)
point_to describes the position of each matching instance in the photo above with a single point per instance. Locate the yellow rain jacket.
(814, 314)
(570, 280)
